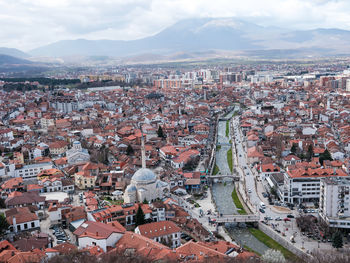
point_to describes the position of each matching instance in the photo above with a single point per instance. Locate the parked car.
(290, 216)
(286, 219)
(278, 218)
(262, 210)
(249, 191)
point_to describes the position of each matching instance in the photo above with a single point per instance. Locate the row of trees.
(310, 153)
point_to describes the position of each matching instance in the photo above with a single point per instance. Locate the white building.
(303, 185)
(28, 172)
(21, 219)
(165, 232)
(97, 234)
(77, 154)
(145, 186)
(335, 201)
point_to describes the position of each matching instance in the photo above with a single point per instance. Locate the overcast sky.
(26, 24)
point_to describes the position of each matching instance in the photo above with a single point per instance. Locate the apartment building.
(335, 201)
(303, 185)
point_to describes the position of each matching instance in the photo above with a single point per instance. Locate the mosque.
(144, 184)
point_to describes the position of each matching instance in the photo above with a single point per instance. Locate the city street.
(256, 188)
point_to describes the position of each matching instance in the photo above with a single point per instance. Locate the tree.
(337, 240)
(274, 192)
(160, 132)
(2, 203)
(140, 216)
(129, 150)
(160, 109)
(310, 153)
(145, 201)
(3, 224)
(294, 148)
(273, 256)
(326, 155)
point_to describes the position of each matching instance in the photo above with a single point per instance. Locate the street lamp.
(302, 244)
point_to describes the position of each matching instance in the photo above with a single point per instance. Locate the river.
(222, 194)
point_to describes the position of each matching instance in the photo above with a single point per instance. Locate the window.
(25, 226)
(33, 225)
(19, 227)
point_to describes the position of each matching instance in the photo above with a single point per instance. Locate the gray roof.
(143, 175)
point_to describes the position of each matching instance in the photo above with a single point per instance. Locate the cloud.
(27, 24)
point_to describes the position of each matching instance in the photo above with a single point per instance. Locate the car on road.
(286, 219)
(278, 218)
(290, 216)
(249, 190)
(262, 210)
(268, 218)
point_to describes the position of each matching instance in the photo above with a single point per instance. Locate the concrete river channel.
(222, 194)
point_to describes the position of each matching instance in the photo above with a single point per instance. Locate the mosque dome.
(130, 189)
(144, 175)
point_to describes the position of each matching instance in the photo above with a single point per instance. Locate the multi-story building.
(28, 172)
(303, 185)
(335, 201)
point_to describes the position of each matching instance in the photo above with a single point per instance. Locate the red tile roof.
(158, 229)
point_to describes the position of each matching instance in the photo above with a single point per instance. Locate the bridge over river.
(251, 218)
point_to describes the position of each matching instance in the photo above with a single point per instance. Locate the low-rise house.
(165, 232)
(58, 147)
(25, 199)
(97, 234)
(37, 241)
(84, 180)
(22, 219)
(290, 160)
(124, 214)
(57, 185)
(266, 170)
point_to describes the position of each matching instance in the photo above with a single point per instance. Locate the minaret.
(143, 151)
(311, 114)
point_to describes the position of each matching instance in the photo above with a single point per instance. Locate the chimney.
(96, 233)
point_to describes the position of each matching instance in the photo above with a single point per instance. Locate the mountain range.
(213, 36)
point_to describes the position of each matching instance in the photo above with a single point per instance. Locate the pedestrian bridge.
(252, 218)
(221, 176)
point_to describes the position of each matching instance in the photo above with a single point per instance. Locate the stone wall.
(286, 244)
